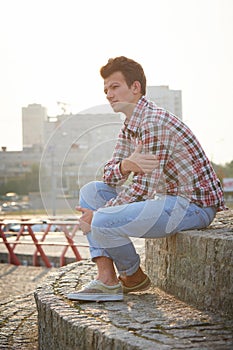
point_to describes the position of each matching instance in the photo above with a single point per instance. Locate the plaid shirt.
(184, 168)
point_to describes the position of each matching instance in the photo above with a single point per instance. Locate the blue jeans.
(112, 226)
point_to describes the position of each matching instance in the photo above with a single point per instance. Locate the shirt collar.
(135, 120)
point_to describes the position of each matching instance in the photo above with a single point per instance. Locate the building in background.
(166, 98)
(33, 118)
(71, 149)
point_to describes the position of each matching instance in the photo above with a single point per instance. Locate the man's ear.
(136, 87)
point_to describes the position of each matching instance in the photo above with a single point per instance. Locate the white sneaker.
(98, 291)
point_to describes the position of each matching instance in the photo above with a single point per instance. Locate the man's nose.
(109, 94)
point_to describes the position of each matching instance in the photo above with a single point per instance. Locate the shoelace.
(95, 283)
(92, 284)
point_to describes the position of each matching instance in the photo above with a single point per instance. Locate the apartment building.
(72, 148)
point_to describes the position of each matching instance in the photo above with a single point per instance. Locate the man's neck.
(130, 109)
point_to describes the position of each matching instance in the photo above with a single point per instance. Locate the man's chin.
(119, 106)
(116, 107)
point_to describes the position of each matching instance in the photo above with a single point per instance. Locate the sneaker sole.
(95, 297)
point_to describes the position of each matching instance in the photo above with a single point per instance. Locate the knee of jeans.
(98, 221)
(88, 188)
(86, 193)
(99, 226)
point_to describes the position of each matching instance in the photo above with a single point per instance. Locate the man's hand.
(139, 162)
(85, 219)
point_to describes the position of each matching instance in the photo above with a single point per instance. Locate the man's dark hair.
(131, 70)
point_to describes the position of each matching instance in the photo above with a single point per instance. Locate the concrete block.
(195, 266)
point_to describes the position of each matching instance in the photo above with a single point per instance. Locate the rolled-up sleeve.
(112, 172)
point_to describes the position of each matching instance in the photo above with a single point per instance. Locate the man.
(171, 186)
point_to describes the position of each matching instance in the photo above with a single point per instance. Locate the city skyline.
(52, 51)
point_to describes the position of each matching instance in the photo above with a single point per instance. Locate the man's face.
(121, 97)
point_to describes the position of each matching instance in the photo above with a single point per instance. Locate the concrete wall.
(195, 266)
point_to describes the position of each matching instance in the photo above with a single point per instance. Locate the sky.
(52, 50)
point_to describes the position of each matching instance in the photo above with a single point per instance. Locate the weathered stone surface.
(18, 314)
(196, 266)
(150, 320)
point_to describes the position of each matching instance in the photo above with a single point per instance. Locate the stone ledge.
(77, 326)
(153, 320)
(196, 266)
